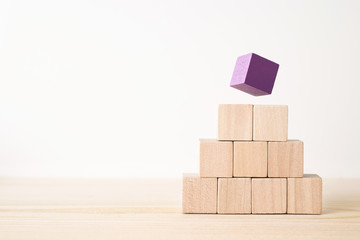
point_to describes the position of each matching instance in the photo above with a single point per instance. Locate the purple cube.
(254, 74)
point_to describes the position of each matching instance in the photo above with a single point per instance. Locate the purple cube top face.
(254, 75)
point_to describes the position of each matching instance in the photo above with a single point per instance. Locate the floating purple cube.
(254, 74)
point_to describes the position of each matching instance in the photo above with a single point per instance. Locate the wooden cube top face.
(216, 158)
(305, 195)
(199, 194)
(250, 159)
(286, 159)
(270, 123)
(234, 195)
(268, 195)
(235, 122)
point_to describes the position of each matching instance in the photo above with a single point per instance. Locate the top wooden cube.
(270, 123)
(254, 74)
(235, 122)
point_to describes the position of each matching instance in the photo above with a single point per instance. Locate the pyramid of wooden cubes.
(252, 168)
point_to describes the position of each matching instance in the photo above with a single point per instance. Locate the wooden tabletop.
(151, 209)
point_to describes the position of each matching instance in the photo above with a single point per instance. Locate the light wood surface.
(234, 195)
(250, 159)
(269, 195)
(45, 209)
(270, 123)
(305, 194)
(286, 159)
(216, 158)
(235, 122)
(199, 194)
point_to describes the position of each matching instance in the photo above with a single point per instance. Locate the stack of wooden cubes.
(252, 167)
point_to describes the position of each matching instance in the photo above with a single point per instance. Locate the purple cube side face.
(254, 75)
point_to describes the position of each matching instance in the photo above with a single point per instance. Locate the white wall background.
(126, 88)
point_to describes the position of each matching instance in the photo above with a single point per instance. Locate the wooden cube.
(234, 195)
(254, 74)
(286, 159)
(250, 159)
(235, 122)
(305, 195)
(199, 194)
(268, 195)
(270, 123)
(216, 158)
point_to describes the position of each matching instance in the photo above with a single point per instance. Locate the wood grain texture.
(199, 194)
(286, 159)
(270, 123)
(269, 195)
(235, 122)
(234, 195)
(250, 159)
(305, 195)
(216, 158)
(111, 209)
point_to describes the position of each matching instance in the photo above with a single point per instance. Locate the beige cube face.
(286, 159)
(216, 158)
(270, 123)
(234, 195)
(199, 194)
(305, 195)
(269, 195)
(235, 122)
(250, 159)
